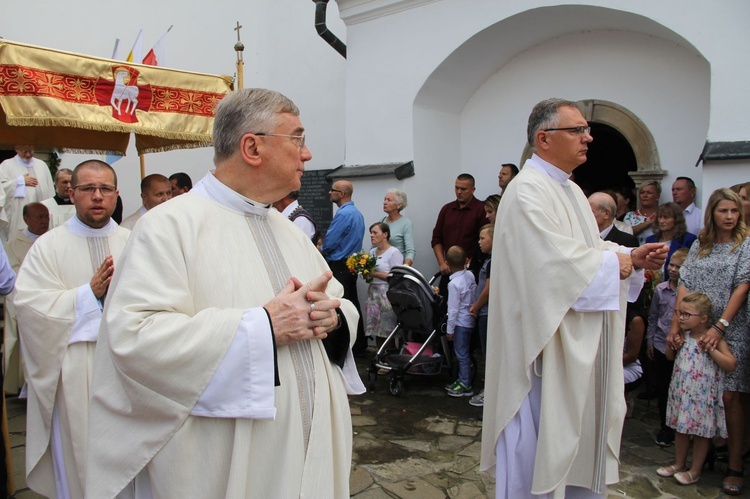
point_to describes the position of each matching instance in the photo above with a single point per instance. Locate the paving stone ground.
(425, 445)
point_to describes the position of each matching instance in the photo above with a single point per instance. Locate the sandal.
(669, 471)
(686, 478)
(732, 488)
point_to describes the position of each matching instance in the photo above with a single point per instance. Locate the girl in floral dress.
(695, 405)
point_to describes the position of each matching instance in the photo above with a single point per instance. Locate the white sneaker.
(477, 400)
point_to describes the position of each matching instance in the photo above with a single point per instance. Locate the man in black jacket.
(604, 208)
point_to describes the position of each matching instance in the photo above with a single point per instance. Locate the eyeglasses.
(89, 190)
(335, 190)
(578, 130)
(297, 139)
(685, 315)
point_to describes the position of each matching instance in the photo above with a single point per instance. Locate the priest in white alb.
(24, 179)
(554, 403)
(36, 218)
(219, 373)
(60, 289)
(60, 206)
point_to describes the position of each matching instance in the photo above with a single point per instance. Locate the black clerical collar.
(61, 201)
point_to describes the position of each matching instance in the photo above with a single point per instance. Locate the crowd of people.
(139, 349)
(462, 242)
(695, 360)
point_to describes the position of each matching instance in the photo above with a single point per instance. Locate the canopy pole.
(143, 165)
(239, 47)
(11, 483)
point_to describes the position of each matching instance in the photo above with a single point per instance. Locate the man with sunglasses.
(60, 292)
(218, 372)
(24, 179)
(554, 403)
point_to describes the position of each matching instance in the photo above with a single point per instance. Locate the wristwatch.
(723, 322)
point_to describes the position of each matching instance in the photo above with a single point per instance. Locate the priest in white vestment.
(60, 206)
(554, 403)
(36, 217)
(155, 190)
(59, 293)
(218, 373)
(24, 179)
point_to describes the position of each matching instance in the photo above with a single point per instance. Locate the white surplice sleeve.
(88, 316)
(603, 293)
(20, 191)
(243, 385)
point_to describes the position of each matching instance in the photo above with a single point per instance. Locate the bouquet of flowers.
(362, 264)
(652, 278)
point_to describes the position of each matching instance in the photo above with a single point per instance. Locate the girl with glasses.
(695, 406)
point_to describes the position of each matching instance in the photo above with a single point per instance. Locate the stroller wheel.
(373, 377)
(396, 387)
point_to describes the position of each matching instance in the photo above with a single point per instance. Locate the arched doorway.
(610, 159)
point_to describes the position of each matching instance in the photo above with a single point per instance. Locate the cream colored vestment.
(192, 273)
(547, 266)
(10, 170)
(132, 219)
(58, 213)
(58, 318)
(14, 376)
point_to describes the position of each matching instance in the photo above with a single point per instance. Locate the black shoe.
(664, 438)
(710, 462)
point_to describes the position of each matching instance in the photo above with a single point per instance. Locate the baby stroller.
(423, 343)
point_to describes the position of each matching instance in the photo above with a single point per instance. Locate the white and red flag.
(157, 55)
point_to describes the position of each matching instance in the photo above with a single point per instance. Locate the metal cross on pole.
(239, 47)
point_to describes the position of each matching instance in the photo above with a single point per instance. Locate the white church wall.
(393, 35)
(724, 174)
(369, 108)
(668, 76)
(282, 52)
(620, 67)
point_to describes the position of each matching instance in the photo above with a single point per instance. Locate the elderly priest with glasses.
(60, 290)
(224, 357)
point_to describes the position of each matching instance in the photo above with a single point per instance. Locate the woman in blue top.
(402, 231)
(671, 229)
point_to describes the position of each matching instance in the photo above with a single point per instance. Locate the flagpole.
(143, 165)
(239, 47)
(116, 49)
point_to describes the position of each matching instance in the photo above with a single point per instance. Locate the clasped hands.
(303, 311)
(649, 256)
